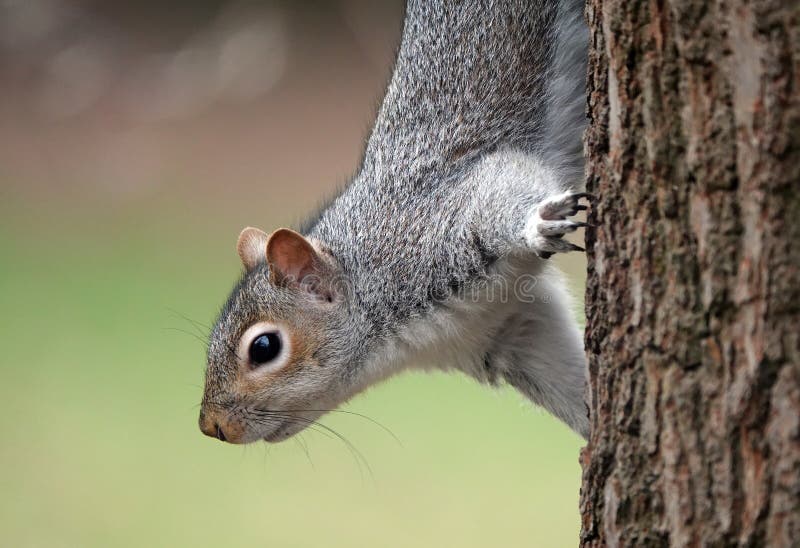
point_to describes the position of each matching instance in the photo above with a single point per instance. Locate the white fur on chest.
(460, 330)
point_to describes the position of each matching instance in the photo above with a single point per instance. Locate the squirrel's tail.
(565, 101)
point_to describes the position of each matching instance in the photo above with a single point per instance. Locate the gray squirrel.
(435, 254)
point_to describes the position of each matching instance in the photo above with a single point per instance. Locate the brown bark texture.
(693, 296)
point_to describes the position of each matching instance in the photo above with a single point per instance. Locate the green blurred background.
(136, 140)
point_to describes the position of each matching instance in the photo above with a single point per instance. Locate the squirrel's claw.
(549, 222)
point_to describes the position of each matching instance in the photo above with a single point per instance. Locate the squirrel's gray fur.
(469, 177)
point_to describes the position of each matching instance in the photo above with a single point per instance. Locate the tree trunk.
(693, 297)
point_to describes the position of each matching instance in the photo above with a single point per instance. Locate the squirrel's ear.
(292, 258)
(252, 247)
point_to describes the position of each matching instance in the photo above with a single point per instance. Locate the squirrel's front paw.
(548, 223)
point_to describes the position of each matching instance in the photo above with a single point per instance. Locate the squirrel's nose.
(215, 432)
(220, 425)
(211, 428)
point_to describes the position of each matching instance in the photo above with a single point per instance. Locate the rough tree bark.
(693, 298)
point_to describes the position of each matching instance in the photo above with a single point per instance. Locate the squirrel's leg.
(525, 204)
(521, 206)
(539, 351)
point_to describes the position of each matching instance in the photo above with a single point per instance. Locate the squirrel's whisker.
(342, 412)
(316, 426)
(202, 341)
(204, 332)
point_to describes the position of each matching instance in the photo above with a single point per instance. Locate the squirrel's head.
(280, 353)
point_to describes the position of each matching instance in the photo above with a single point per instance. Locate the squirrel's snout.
(213, 430)
(210, 426)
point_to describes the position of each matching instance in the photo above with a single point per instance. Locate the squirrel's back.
(474, 76)
(471, 78)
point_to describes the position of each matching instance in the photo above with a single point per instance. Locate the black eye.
(265, 348)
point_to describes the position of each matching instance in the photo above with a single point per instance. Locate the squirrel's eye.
(265, 348)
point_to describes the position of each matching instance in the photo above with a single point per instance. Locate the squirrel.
(434, 255)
